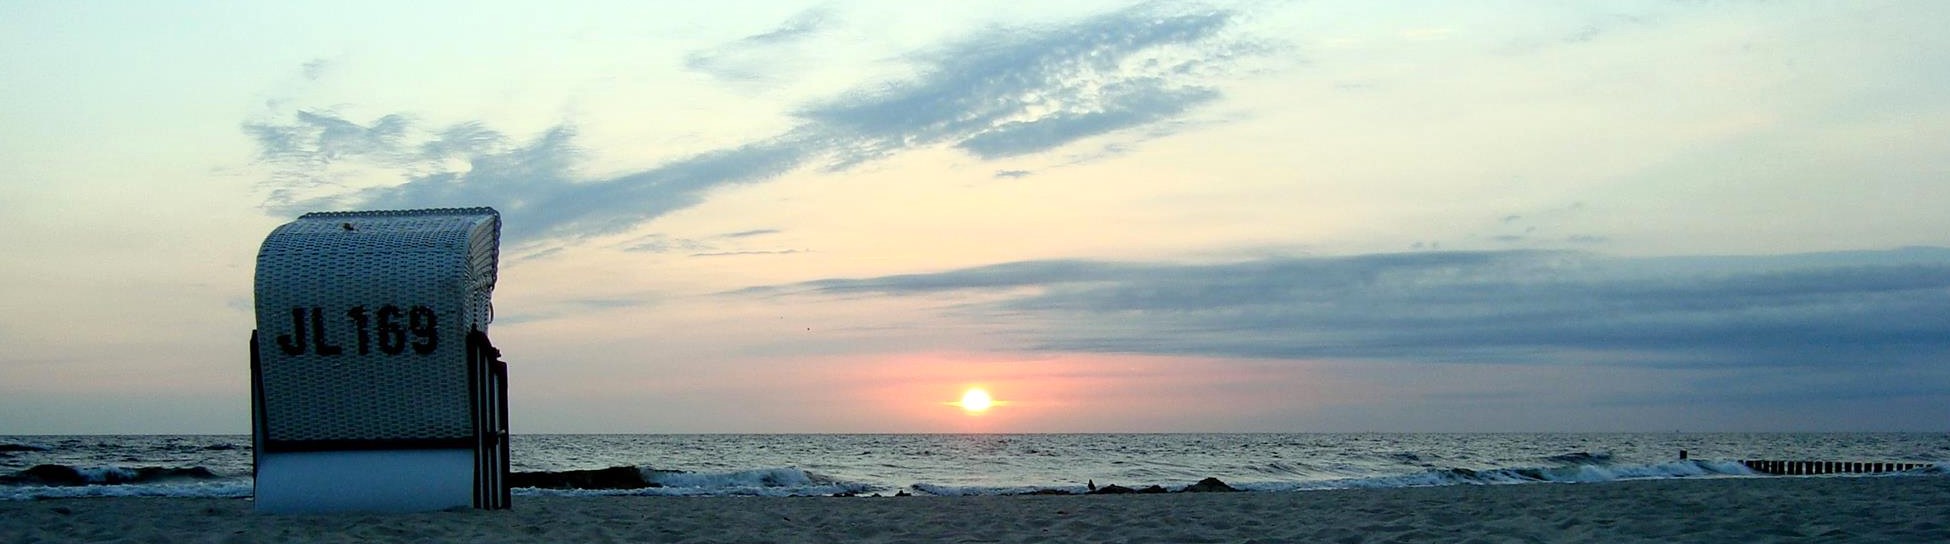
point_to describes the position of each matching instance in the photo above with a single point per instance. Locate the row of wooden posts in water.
(1798, 468)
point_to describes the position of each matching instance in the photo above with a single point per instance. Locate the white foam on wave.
(764, 477)
(105, 474)
(976, 490)
(808, 491)
(765, 482)
(1582, 473)
(1676, 469)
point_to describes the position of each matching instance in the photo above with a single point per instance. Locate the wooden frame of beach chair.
(374, 386)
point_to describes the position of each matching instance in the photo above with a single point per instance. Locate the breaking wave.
(774, 482)
(63, 481)
(67, 476)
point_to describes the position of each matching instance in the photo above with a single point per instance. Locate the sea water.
(994, 464)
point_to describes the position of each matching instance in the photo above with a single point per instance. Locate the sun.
(976, 400)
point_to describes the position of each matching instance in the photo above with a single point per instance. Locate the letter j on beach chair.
(374, 387)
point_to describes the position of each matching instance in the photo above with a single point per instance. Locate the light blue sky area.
(835, 217)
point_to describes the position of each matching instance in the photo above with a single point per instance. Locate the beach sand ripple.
(1902, 509)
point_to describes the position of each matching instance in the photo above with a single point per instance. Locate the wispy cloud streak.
(1010, 92)
(756, 58)
(1003, 93)
(1861, 309)
(722, 245)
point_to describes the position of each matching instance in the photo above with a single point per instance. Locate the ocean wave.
(61, 481)
(783, 481)
(12, 447)
(1404, 457)
(64, 481)
(764, 477)
(71, 476)
(1580, 458)
(976, 490)
(1283, 468)
(1575, 473)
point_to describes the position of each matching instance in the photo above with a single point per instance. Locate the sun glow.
(976, 400)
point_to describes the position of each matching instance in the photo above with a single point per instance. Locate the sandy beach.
(1892, 509)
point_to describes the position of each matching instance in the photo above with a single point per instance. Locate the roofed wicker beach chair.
(374, 385)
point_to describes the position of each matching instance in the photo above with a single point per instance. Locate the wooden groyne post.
(1802, 468)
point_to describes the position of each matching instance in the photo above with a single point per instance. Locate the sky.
(770, 217)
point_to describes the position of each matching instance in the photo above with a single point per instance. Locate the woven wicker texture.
(363, 319)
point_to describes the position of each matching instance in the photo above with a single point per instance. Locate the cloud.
(1542, 228)
(722, 245)
(1589, 28)
(1012, 174)
(1856, 310)
(999, 276)
(1605, 24)
(316, 150)
(1006, 92)
(1133, 107)
(761, 57)
(316, 68)
(318, 139)
(1012, 91)
(658, 243)
(533, 182)
(575, 307)
(748, 252)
